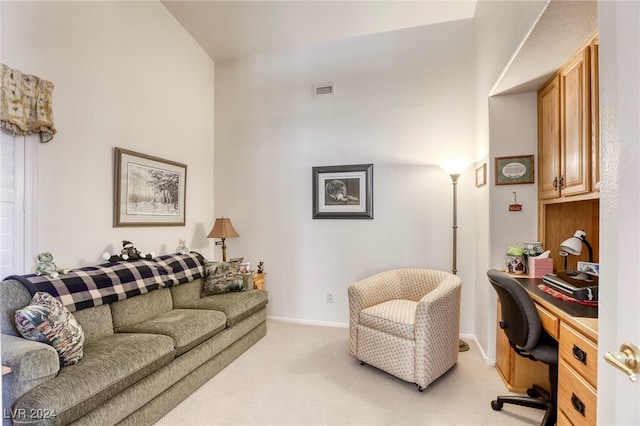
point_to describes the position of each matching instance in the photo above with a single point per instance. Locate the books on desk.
(581, 289)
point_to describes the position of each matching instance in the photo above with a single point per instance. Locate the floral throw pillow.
(48, 321)
(222, 284)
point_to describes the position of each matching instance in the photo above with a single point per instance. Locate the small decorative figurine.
(261, 267)
(46, 266)
(182, 247)
(128, 252)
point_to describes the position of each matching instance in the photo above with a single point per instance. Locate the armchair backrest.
(520, 320)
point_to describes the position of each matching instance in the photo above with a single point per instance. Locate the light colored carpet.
(303, 375)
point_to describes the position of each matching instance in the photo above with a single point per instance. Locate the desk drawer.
(550, 322)
(580, 353)
(576, 398)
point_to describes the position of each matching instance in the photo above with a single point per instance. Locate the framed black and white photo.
(148, 191)
(343, 192)
(514, 170)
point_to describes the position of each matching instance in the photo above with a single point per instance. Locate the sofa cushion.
(236, 305)
(140, 308)
(96, 322)
(395, 317)
(110, 365)
(187, 327)
(46, 320)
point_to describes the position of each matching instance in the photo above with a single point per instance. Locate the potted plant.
(514, 260)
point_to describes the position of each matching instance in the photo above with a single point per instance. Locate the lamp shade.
(573, 245)
(223, 228)
(454, 167)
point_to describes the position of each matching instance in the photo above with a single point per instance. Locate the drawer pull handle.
(577, 404)
(579, 354)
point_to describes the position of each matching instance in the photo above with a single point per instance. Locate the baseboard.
(309, 322)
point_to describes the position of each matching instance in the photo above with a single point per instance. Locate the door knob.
(627, 360)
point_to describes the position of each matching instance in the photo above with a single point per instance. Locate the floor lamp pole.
(454, 180)
(462, 345)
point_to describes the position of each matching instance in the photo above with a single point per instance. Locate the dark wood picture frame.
(343, 192)
(514, 170)
(148, 191)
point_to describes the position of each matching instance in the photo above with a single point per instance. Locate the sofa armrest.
(32, 363)
(369, 292)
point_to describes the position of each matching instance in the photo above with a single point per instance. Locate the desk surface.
(583, 318)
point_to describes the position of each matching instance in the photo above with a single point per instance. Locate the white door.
(619, 316)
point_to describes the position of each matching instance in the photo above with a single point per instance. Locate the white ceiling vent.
(323, 89)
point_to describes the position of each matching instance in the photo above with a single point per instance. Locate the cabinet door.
(575, 142)
(549, 140)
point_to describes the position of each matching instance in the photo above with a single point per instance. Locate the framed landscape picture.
(514, 170)
(148, 191)
(343, 192)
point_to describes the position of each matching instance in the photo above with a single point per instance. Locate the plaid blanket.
(96, 285)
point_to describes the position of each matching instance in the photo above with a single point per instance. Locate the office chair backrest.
(520, 320)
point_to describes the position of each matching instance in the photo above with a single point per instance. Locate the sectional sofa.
(149, 341)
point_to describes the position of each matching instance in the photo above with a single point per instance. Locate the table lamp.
(222, 228)
(573, 245)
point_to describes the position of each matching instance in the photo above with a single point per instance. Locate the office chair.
(521, 324)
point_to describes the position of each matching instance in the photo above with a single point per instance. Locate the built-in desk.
(575, 327)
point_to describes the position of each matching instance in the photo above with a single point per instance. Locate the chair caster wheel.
(361, 362)
(533, 393)
(420, 388)
(497, 406)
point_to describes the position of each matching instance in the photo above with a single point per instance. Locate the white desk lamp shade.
(573, 245)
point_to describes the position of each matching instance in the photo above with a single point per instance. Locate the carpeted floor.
(303, 375)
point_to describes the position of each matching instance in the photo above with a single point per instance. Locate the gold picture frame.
(481, 175)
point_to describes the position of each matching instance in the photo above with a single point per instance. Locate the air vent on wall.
(323, 89)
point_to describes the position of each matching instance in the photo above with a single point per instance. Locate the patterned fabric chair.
(406, 322)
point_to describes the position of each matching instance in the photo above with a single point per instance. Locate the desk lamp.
(573, 245)
(454, 169)
(223, 228)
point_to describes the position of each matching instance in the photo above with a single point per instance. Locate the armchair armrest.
(32, 363)
(369, 292)
(438, 320)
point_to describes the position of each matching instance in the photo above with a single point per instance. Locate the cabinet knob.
(562, 182)
(555, 183)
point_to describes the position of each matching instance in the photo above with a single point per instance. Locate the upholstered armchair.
(406, 322)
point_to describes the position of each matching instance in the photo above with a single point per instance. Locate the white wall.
(126, 74)
(404, 101)
(500, 27)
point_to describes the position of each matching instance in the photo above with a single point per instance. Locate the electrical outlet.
(330, 297)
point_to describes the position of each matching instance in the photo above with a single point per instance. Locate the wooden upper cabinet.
(549, 140)
(575, 139)
(568, 156)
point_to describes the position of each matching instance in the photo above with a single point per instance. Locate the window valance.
(26, 104)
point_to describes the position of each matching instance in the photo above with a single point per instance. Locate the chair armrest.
(32, 363)
(438, 323)
(369, 292)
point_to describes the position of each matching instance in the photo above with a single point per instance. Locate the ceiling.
(227, 30)
(230, 29)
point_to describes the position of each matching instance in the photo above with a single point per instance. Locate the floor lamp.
(454, 169)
